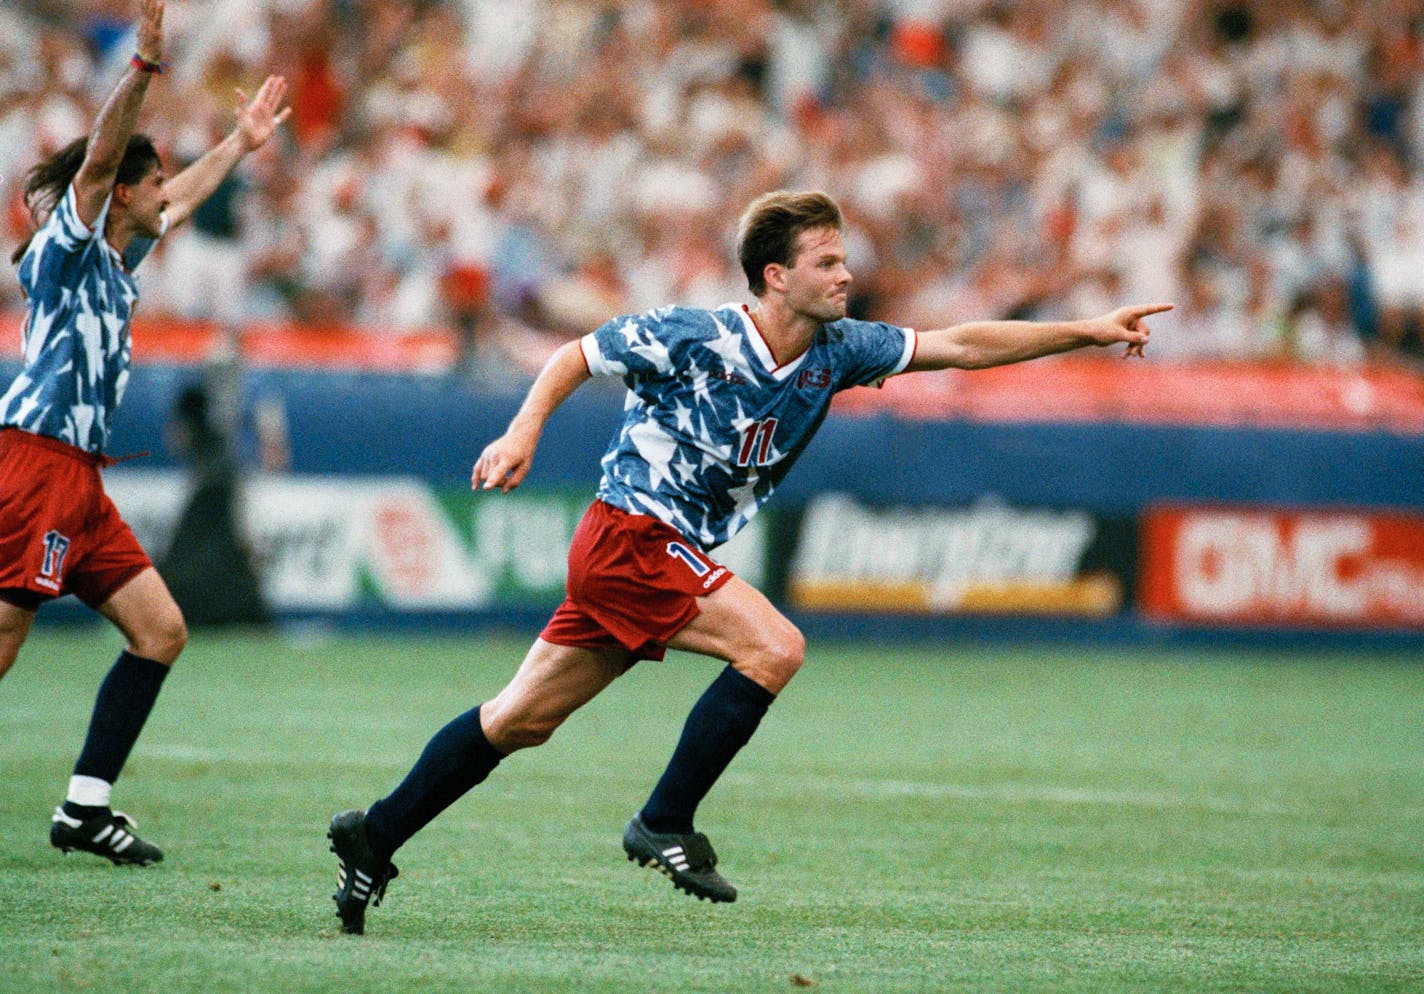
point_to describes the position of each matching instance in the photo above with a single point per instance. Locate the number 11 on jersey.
(755, 449)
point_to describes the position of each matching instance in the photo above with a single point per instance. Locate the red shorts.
(633, 582)
(59, 532)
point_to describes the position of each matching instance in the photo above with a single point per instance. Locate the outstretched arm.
(980, 344)
(505, 462)
(257, 119)
(112, 129)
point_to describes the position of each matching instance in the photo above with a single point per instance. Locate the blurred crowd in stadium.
(523, 170)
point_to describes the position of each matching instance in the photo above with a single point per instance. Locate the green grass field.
(1016, 820)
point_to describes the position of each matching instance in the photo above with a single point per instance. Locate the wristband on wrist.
(143, 65)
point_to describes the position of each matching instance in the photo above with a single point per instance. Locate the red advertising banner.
(1270, 568)
(1099, 388)
(1076, 388)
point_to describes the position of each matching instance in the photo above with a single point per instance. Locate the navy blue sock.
(125, 698)
(721, 722)
(457, 758)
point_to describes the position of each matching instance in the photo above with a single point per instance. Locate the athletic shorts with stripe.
(632, 582)
(59, 532)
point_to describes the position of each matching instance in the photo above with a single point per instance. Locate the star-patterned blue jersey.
(80, 298)
(712, 423)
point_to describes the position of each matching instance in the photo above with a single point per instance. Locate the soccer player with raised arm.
(721, 403)
(99, 205)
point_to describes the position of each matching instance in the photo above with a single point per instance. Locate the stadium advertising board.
(520, 541)
(988, 558)
(1271, 567)
(325, 543)
(322, 543)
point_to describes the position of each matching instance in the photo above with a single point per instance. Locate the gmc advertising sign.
(1268, 568)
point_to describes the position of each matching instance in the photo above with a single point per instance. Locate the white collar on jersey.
(763, 350)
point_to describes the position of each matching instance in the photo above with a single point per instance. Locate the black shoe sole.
(66, 850)
(645, 856)
(348, 834)
(681, 885)
(354, 924)
(128, 858)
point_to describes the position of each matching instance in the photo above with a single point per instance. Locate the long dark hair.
(46, 183)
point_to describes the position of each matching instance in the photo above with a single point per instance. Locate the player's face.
(147, 202)
(817, 281)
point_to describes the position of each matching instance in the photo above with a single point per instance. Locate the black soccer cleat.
(685, 858)
(360, 878)
(112, 835)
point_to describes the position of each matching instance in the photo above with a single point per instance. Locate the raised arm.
(980, 344)
(109, 138)
(257, 119)
(505, 462)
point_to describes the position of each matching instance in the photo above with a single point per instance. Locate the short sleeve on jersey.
(639, 346)
(70, 232)
(593, 356)
(874, 351)
(59, 244)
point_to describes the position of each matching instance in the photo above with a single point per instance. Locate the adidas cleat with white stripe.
(360, 878)
(686, 858)
(113, 835)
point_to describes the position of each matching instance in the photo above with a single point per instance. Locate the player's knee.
(510, 726)
(530, 733)
(779, 656)
(177, 638)
(8, 655)
(789, 651)
(10, 643)
(163, 640)
(12, 636)
(521, 732)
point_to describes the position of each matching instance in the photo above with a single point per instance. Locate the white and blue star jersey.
(80, 298)
(712, 423)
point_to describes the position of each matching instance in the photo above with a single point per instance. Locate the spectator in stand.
(1321, 327)
(1006, 147)
(201, 261)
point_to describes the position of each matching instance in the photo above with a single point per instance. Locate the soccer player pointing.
(722, 403)
(100, 204)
